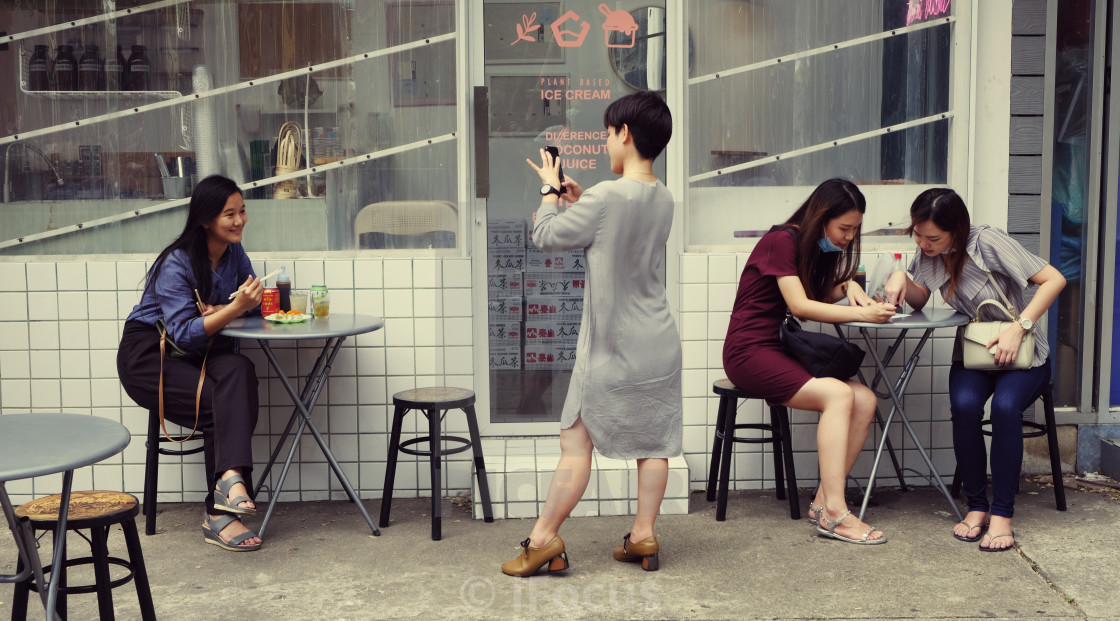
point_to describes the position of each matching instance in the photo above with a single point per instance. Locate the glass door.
(548, 73)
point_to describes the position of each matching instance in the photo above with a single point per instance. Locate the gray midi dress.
(626, 384)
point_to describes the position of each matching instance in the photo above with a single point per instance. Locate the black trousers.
(227, 411)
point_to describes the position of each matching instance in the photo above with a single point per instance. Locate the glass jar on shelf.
(38, 70)
(114, 72)
(65, 69)
(89, 70)
(138, 70)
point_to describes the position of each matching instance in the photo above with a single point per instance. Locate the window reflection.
(788, 94)
(224, 87)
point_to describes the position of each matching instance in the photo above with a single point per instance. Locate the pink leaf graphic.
(525, 27)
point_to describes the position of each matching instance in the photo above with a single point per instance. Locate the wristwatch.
(547, 189)
(1026, 323)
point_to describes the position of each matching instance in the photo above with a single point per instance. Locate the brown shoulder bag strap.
(197, 394)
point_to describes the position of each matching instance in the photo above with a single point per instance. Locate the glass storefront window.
(1069, 193)
(784, 95)
(551, 70)
(338, 118)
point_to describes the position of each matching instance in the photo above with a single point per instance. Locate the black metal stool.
(96, 511)
(779, 436)
(1032, 429)
(151, 464)
(434, 403)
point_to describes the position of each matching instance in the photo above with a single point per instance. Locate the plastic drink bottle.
(284, 284)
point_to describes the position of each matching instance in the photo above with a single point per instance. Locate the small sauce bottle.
(114, 72)
(65, 69)
(89, 70)
(284, 284)
(137, 69)
(38, 70)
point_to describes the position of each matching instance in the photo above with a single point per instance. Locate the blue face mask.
(826, 245)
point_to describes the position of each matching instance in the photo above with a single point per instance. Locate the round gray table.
(333, 330)
(33, 445)
(926, 320)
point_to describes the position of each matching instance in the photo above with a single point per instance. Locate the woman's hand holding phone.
(549, 170)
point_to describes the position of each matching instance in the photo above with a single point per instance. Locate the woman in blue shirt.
(206, 258)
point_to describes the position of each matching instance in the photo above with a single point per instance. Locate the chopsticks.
(262, 279)
(201, 306)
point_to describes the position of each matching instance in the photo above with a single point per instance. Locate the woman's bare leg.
(841, 433)
(569, 481)
(653, 476)
(863, 412)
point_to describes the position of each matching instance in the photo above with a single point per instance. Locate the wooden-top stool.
(434, 403)
(96, 511)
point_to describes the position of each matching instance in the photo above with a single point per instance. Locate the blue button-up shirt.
(171, 296)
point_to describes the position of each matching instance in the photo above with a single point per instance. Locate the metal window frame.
(1110, 185)
(824, 49)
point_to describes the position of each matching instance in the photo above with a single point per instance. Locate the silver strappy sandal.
(831, 532)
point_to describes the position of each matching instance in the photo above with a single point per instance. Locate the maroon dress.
(752, 354)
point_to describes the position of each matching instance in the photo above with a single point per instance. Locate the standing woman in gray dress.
(625, 395)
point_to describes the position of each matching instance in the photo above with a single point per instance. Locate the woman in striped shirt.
(956, 258)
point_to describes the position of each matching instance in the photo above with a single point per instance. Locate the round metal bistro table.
(33, 445)
(927, 321)
(333, 330)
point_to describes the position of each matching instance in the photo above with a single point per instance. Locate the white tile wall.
(63, 356)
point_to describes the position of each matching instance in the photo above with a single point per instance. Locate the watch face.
(1026, 323)
(548, 189)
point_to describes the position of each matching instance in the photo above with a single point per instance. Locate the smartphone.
(556, 156)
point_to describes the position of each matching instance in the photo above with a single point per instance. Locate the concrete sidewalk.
(320, 562)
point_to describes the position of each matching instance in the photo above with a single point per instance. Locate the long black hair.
(946, 210)
(207, 202)
(829, 200)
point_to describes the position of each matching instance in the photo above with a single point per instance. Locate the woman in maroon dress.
(806, 265)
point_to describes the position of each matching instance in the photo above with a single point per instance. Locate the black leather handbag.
(822, 355)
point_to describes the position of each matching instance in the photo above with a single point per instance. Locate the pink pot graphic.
(621, 22)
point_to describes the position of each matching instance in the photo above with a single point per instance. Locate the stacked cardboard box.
(553, 285)
(505, 250)
(534, 300)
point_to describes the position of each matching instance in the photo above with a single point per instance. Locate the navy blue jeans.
(1011, 393)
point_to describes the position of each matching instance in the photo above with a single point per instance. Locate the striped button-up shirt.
(990, 250)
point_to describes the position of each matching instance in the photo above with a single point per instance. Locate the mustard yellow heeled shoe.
(530, 559)
(645, 551)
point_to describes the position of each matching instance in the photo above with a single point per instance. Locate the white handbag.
(977, 335)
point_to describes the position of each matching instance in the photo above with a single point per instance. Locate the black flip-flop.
(992, 538)
(982, 527)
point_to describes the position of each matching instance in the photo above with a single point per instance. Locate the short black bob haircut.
(648, 119)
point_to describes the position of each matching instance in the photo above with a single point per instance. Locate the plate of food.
(292, 316)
